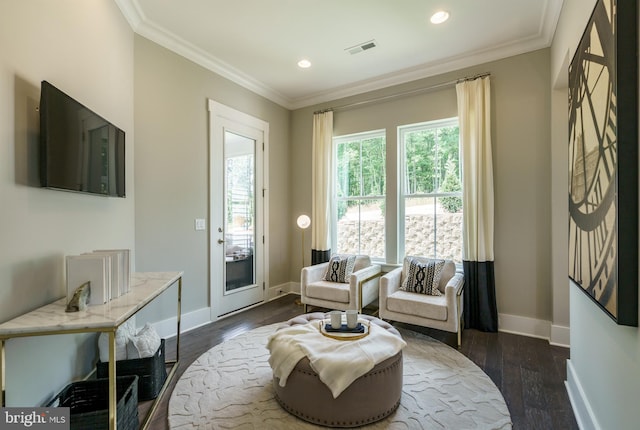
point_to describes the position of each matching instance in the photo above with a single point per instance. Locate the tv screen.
(79, 150)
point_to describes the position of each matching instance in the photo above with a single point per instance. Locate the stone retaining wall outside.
(419, 237)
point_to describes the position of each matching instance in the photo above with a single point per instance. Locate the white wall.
(84, 48)
(172, 179)
(603, 375)
(521, 135)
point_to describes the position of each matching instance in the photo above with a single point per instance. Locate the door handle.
(220, 241)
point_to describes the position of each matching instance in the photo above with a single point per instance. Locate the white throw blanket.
(337, 362)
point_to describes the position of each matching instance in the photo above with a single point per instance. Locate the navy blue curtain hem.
(480, 309)
(318, 256)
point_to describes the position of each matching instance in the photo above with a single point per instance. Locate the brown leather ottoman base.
(370, 398)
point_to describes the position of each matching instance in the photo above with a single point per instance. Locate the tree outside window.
(431, 195)
(360, 194)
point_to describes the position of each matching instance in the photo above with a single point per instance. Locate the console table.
(52, 319)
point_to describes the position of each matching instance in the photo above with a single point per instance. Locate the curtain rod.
(406, 93)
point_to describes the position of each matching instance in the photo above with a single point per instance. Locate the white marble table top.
(53, 318)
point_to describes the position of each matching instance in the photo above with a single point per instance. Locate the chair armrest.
(311, 274)
(455, 285)
(362, 274)
(364, 279)
(453, 293)
(390, 283)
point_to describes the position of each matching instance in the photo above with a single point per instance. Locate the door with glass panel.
(236, 216)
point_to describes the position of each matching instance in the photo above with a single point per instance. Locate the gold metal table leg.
(174, 365)
(178, 325)
(113, 413)
(2, 374)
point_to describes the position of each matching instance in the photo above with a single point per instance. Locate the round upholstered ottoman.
(372, 397)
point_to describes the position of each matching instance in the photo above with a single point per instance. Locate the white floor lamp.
(303, 222)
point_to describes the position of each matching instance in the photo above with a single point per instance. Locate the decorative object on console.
(106, 270)
(95, 269)
(603, 161)
(80, 299)
(121, 275)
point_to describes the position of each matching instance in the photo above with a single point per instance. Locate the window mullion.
(425, 166)
(353, 226)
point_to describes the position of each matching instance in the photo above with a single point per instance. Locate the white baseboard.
(556, 335)
(560, 336)
(189, 321)
(585, 417)
(524, 326)
(295, 287)
(281, 290)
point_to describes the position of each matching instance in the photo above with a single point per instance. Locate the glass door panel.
(240, 216)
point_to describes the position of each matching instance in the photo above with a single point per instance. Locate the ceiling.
(257, 43)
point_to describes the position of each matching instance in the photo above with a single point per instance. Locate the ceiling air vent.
(361, 47)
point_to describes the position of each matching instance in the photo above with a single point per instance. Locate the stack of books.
(107, 272)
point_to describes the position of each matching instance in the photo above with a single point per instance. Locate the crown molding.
(423, 71)
(150, 30)
(141, 25)
(132, 12)
(542, 39)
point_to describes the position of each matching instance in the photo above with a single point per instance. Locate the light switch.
(201, 224)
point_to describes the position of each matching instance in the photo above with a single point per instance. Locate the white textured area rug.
(229, 387)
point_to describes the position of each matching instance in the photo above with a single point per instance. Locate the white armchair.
(362, 288)
(439, 312)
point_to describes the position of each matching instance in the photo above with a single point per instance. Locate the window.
(430, 206)
(359, 210)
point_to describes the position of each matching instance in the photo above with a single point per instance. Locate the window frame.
(403, 130)
(336, 141)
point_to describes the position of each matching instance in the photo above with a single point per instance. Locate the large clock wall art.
(603, 160)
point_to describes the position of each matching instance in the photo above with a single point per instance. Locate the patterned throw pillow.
(423, 277)
(340, 268)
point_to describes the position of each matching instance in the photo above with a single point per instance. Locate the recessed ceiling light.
(439, 17)
(304, 64)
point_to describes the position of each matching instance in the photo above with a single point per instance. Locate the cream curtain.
(474, 115)
(321, 183)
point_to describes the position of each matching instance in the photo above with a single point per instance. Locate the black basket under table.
(89, 403)
(151, 372)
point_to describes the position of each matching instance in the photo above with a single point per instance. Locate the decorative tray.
(344, 333)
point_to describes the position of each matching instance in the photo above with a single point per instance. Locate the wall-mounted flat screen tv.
(79, 150)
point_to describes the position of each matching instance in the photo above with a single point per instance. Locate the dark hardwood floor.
(529, 372)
